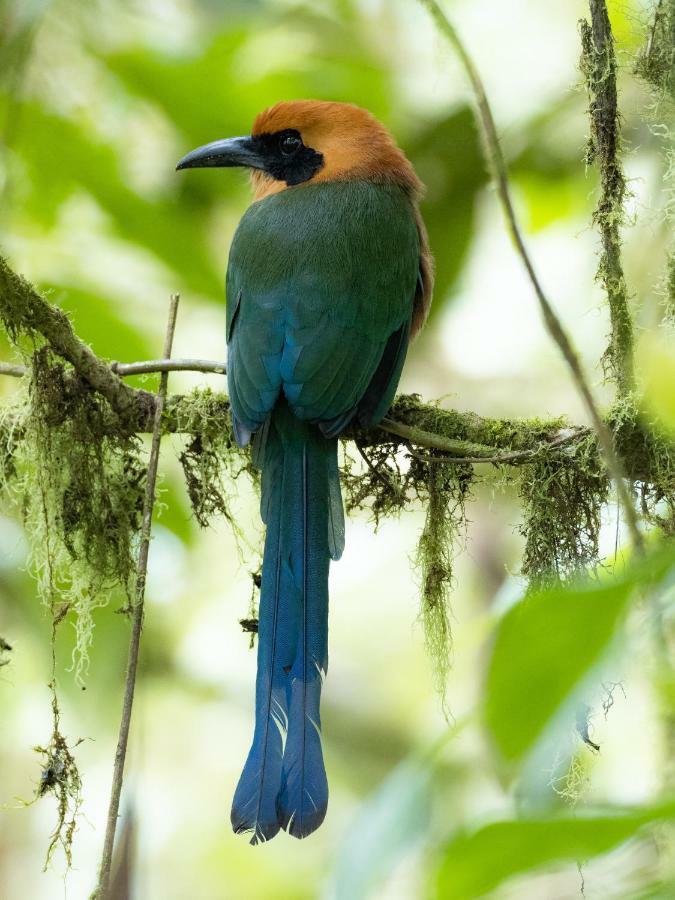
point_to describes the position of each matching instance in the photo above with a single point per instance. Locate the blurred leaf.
(207, 96)
(545, 646)
(474, 864)
(656, 360)
(19, 22)
(394, 818)
(178, 237)
(550, 201)
(627, 23)
(445, 158)
(174, 511)
(97, 324)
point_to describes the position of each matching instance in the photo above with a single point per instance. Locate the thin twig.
(13, 371)
(144, 367)
(517, 456)
(434, 441)
(383, 477)
(137, 623)
(497, 165)
(168, 365)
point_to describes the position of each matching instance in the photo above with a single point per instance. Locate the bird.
(329, 278)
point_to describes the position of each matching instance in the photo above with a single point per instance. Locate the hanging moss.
(391, 478)
(562, 493)
(212, 462)
(249, 625)
(381, 484)
(448, 489)
(655, 64)
(60, 776)
(78, 479)
(572, 784)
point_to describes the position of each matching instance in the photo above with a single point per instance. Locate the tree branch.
(517, 457)
(497, 166)
(144, 367)
(24, 311)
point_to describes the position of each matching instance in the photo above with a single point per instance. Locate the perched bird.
(329, 277)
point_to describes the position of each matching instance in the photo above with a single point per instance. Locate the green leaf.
(478, 862)
(547, 644)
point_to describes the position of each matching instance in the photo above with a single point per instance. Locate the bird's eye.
(290, 143)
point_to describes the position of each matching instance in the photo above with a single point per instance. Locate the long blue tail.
(284, 780)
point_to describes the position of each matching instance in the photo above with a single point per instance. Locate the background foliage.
(97, 102)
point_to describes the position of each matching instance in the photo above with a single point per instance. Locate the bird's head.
(310, 141)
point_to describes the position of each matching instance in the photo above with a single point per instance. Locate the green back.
(320, 288)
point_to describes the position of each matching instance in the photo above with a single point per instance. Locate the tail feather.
(254, 807)
(304, 796)
(284, 780)
(336, 513)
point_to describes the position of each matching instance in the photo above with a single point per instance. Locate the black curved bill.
(238, 151)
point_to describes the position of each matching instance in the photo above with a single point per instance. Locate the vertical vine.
(655, 64)
(598, 64)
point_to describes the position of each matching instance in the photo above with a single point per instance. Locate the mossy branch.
(598, 64)
(24, 311)
(461, 437)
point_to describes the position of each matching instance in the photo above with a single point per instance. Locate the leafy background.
(97, 102)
